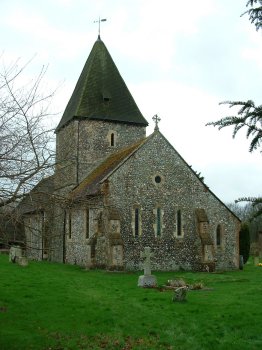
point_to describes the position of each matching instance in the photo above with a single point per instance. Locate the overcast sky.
(179, 59)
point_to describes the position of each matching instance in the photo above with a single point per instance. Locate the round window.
(158, 179)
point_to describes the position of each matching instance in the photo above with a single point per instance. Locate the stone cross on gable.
(156, 119)
(147, 264)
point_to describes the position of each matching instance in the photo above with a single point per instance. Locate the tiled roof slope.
(101, 93)
(91, 184)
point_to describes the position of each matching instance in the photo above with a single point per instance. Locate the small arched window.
(112, 140)
(137, 217)
(218, 235)
(179, 223)
(87, 223)
(136, 221)
(69, 224)
(158, 221)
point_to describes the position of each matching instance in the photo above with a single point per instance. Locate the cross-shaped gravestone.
(147, 280)
(147, 263)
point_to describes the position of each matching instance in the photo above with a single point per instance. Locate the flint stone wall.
(133, 184)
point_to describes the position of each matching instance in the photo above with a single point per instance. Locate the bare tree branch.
(26, 143)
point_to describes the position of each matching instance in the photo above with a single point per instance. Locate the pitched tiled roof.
(91, 184)
(101, 93)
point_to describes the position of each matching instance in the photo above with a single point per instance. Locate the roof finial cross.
(156, 119)
(99, 21)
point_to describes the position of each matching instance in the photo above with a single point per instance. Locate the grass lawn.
(55, 306)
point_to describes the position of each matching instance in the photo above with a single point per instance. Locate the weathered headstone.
(176, 283)
(147, 280)
(180, 294)
(15, 253)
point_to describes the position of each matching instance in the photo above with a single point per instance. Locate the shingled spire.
(101, 93)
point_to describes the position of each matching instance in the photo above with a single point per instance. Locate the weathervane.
(99, 21)
(156, 120)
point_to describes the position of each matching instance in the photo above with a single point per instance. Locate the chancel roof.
(101, 93)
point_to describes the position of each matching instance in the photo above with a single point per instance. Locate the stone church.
(116, 191)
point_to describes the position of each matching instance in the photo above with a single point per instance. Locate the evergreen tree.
(255, 12)
(249, 116)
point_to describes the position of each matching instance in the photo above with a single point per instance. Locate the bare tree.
(250, 215)
(26, 140)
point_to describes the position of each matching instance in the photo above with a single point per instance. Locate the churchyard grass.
(55, 306)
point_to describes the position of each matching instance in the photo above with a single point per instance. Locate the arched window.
(179, 223)
(112, 140)
(87, 223)
(158, 221)
(218, 235)
(136, 221)
(137, 215)
(179, 231)
(69, 224)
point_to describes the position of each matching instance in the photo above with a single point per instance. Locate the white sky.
(179, 59)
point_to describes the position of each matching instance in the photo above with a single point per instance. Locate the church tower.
(101, 118)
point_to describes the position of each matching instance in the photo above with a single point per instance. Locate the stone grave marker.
(16, 256)
(15, 253)
(147, 280)
(180, 294)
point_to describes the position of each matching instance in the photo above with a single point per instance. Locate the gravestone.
(15, 253)
(180, 294)
(147, 280)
